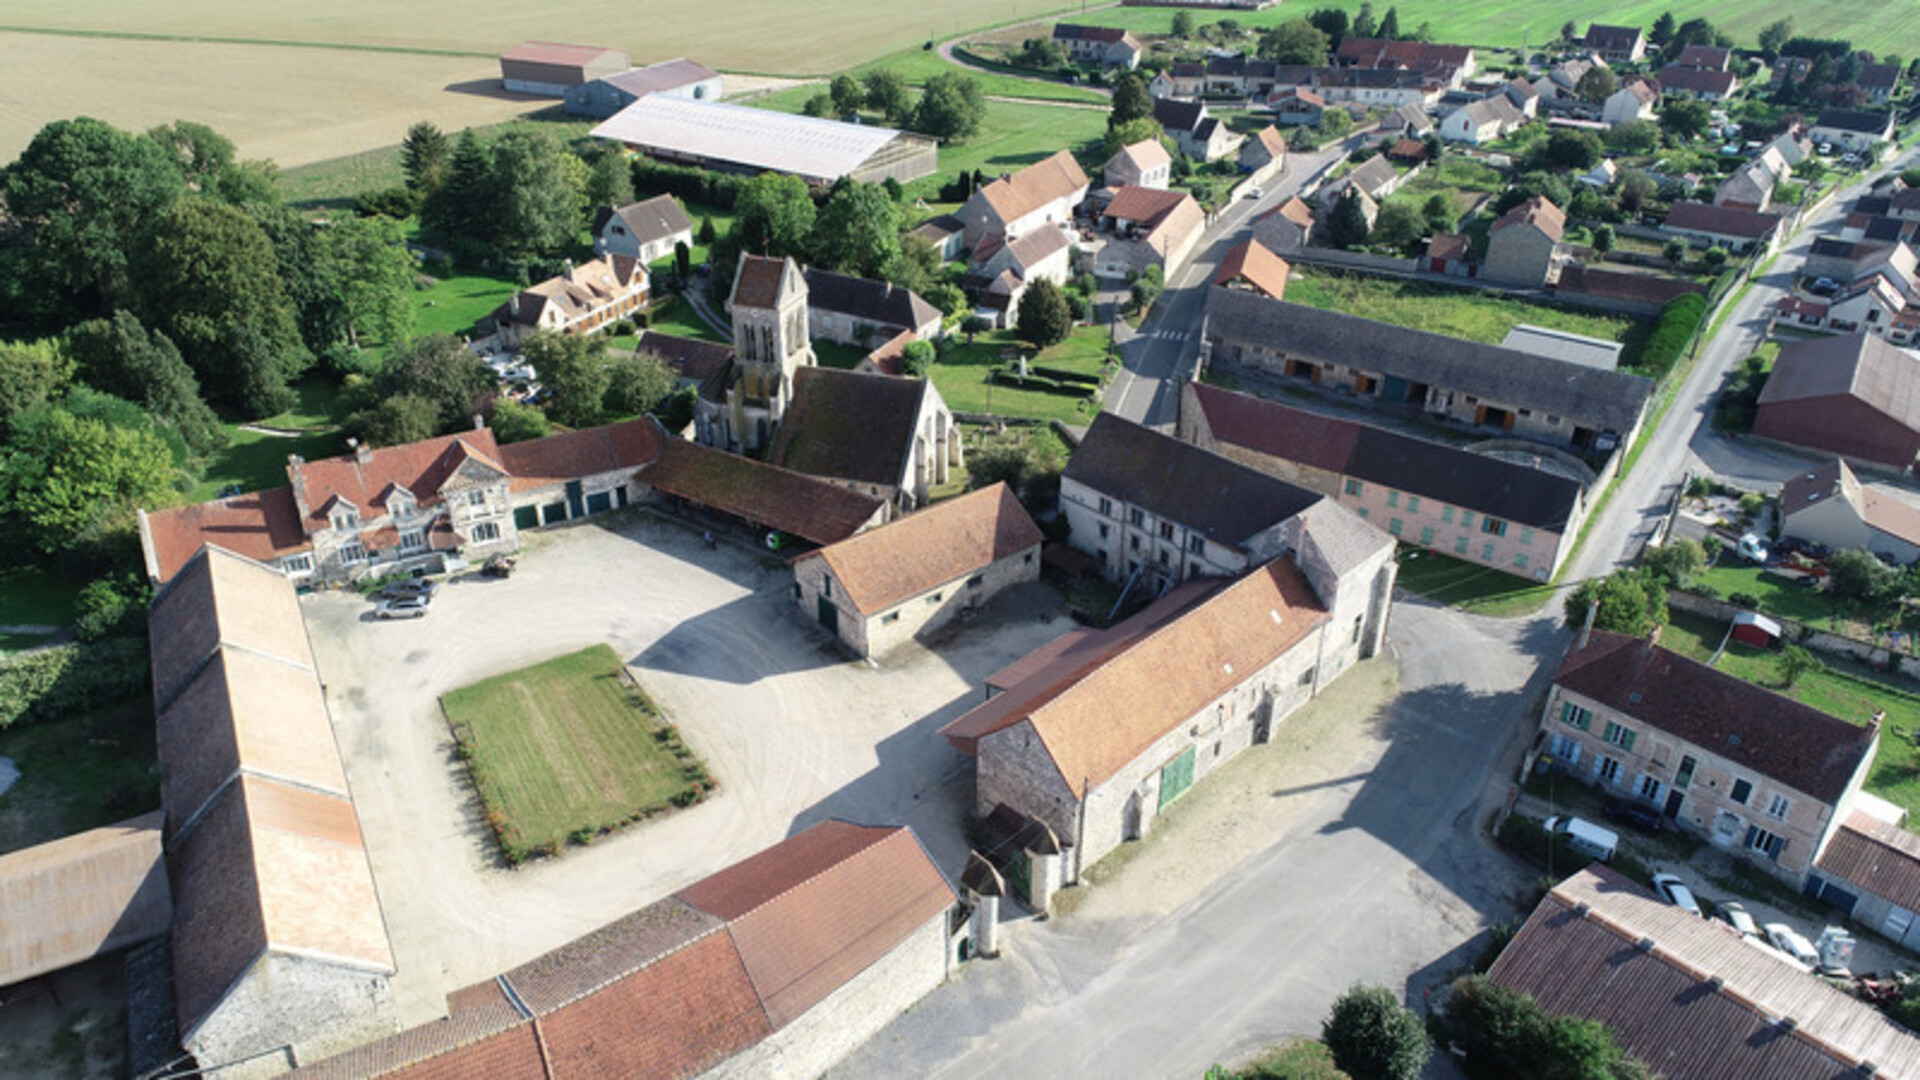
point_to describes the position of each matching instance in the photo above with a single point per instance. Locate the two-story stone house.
(1755, 773)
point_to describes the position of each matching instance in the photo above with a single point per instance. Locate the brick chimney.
(479, 422)
(362, 453)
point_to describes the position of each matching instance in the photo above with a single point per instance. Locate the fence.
(1821, 641)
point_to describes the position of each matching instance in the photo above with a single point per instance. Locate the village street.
(1351, 849)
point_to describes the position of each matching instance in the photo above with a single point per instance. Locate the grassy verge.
(334, 182)
(1469, 586)
(963, 377)
(568, 749)
(832, 355)
(1295, 1059)
(78, 773)
(315, 407)
(675, 316)
(257, 461)
(1461, 313)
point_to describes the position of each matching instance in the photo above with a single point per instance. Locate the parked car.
(1585, 836)
(410, 587)
(403, 607)
(1254, 192)
(1737, 917)
(498, 566)
(1633, 812)
(1675, 892)
(1752, 548)
(1789, 941)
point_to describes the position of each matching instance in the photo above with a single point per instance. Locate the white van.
(1585, 836)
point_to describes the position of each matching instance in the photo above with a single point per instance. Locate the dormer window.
(345, 519)
(400, 505)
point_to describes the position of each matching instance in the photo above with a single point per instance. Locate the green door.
(829, 616)
(553, 513)
(1176, 777)
(1020, 874)
(526, 517)
(599, 502)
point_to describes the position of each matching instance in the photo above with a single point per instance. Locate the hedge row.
(1040, 383)
(687, 182)
(1679, 320)
(1063, 375)
(66, 679)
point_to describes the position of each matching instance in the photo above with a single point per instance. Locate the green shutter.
(1627, 742)
(1566, 712)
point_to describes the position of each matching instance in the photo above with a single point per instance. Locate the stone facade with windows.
(1754, 773)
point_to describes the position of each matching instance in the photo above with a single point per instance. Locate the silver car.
(1676, 893)
(1737, 917)
(402, 607)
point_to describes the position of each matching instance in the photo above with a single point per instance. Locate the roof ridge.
(629, 969)
(887, 832)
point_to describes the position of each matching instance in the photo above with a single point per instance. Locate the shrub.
(1374, 1037)
(67, 679)
(1672, 332)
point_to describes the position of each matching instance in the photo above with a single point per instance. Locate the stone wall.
(1820, 641)
(292, 1010)
(883, 631)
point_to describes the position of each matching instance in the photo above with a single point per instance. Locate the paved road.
(1383, 877)
(1161, 355)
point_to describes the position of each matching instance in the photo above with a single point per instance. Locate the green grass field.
(455, 303)
(35, 596)
(1469, 586)
(1777, 595)
(1880, 25)
(79, 772)
(257, 461)
(318, 399)
(962, 377)
(1461, 313)
(916, 66)
(568, 749)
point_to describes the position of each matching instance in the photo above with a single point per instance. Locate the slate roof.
(691, 358)
(1223, 500)
(1697, 80)
(80, 896)
(1409, 118)
(1109, 716)
(1755, 729)
(1175, 115)
(1863, 121)
(1879, 76)
(770, 497)
(571, 455)
(1251, 262)
(849, 425)
(1376, 455)
(1108, 35)
(881, 303)
(1686, 995)
(1369, 176)
(1019, 194)
(665, 75)
(651, 220)
(419, 467)
(1861, 366)
(261, 525)
(944, 543)
(1704, 56)
(1608, 399)
(1876, 855)
(1611, 38)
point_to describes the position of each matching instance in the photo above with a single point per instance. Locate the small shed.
(1751, 628)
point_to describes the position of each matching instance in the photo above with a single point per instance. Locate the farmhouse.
(1041, 194)
(585, 299)
(891, 438)
(550, 70)
(1103, 45)
(1410, 121)
(1755, 773)
(81, 896)
(1375, 88)
(1616, 44)
(776, 966)
(1512, 517)
(1448, 65)
(1148, 227)
(735, 138)
(945, 233)
(1702, 84)
(1829, 505)
(1198, 134)
(1285, 227)
(1143, 164)
(575, 474)
(1090, 738)
(606, 96)
(1880, 81)
(1686, 995)
(1738, 231)
(646, 230)
(1751, 185)
(890, 585)
(1471, 383)
(1264, 153)
(1860, 131)
(1523, 246)
(1634, 100)
(1002, 269)
(1856, 396)
(280, 952)
(1484, 121)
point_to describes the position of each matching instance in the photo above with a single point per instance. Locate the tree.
(1569, 33)
(682, 261)
(1335, 121)
(1662, 31)
(819, 106)
(1568, 149)
(1333, 23)
(438, 369)
(950, 299)
(1714, 259)
(575, 368)
(1133, 131)
(32, 373)
(1182, 24)
(1684, 120)
(636, 384)
(1147, 288)
(395, 421)
(610, 179)
(1602, 239)
(774, 216)
(1858, 577)
(375, 278)
(1424, 32)
(513, 422)
(1630, 602)
(1347, 226)
(118, 356)
(457, 209)
(1795, 662)
(1363, 21)
(1296, 42)
(210, 280)
(707, 234)
(1677, 561)
(1691, 32)
(1597, 85)
(1633, 137)
(847, 94)
(68, 481)
(1043, 319)
(533, 208)
(1041, 54)
(1504, 1033)
(206, 161)
(917, 358)
(951, 107)
(974, 324)
(1400, 225)
(1675, 252)
(77, 197)
(1635, 188)
(1390, 25)
(887, 95)
(858, 230)
(1130, 101)
(1439, 210)
(1374, 1037)
(112, 605)
(425, 155)
(1774, 35)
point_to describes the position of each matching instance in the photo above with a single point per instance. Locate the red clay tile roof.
(849, 425)
(420, 467)
(1753, 728)
(219, 599)
(758, 282)
(1720, 220)
(1014, 197)
(886, 359)
(943, 543)
(261, 525)
(1447, 246)
(1142, 204)
(1407, 150)
(483, 1035)
(812, 912)
(572, 455)
(80, 896)
(1537, 212)
(774, 498)
(1257, 266)
(1699, 1002)
(1109, 716)
(1878, 856)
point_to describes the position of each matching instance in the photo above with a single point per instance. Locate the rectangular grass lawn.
(569, 748)
(1461, 313)
(963, 377)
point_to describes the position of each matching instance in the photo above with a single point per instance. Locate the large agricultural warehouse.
(733, 138)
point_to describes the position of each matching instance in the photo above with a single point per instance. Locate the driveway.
(793, 732)
(1351, 849)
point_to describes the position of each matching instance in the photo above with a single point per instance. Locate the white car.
(1789, 941)
(1737, 917)
(1752, 548)
(1675, 892)
(403, 607)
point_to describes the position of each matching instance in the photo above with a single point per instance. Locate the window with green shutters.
(1619, 736)
(1393, 526)
(1526, 535)
(1466, 519)
(1446, 514)
(1575, 715)
(1354, 487)
(1393, 498)
(1413, 504)
(1426, 536)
